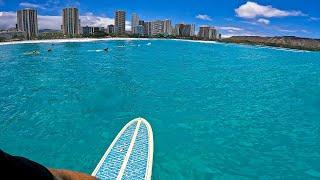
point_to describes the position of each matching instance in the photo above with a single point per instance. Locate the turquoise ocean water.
(218, 111)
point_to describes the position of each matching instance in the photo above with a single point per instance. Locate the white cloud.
(253, 10)
(229, 28)
(227, 35)
(89, 19)
(204, 17)
(49, 22)
(287, 30)
(30, 5)
(314, 19)
(263, 21)
(8, 20)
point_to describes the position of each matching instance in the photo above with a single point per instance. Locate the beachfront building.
(110, 29)
(193, 30)
(204, 32)
(183, 30)
(167, 27)
(90, 30)
(120, 22)
(27, 21)
(207, 32)
(87, 30)
(139, 30)
(157, 27)
(70, 21)
(134, 22)
(147, 26)
(213, 33)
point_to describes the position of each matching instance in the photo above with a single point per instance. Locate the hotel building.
(120, 22)
(157, 27)
(183, 30)
(147, 26)
(110, 29)
(134, 22)
(27, 21)
(207, 32)
(70, 21)
(204, 32)
(193, 30)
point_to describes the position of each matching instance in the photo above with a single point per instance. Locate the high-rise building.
(110, 29)
(147, 28)
(207, 32)
(139, 30)
(213, 33)
(141, 22)
(204, 32)
(157, 27)
(183, 30)
(193, 30)
(120, 22)
(27, 21)
(167, 27)
(70, 21)
(134, 22)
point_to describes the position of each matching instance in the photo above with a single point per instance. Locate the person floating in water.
(16, 167)
(49, 50)
(32, 53)
(106, 49)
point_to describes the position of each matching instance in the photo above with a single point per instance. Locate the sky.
(231, 17)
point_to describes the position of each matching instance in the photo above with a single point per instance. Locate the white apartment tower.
(167, 27)
(134, 22)
(193, 30)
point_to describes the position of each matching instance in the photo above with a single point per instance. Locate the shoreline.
(71, 40)
(98, 39)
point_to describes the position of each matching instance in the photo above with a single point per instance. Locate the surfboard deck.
(130, 154)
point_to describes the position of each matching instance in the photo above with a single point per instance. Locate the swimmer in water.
(106, 49)
(49, 50)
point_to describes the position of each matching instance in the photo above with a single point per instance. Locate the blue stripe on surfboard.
(112, 164)
(137, 164)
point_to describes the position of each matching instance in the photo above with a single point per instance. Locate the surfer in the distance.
(16, 167)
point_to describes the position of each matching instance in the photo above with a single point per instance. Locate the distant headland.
(291, 42)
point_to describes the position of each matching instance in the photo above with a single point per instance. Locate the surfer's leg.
(16, 167)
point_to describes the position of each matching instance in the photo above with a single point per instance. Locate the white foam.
(98, 50)
(72, 40)
(197, 41)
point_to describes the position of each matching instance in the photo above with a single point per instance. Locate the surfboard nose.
(130, 154)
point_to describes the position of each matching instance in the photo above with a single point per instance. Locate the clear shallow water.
(218, 111)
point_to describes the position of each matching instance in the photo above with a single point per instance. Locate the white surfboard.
(130, 155)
